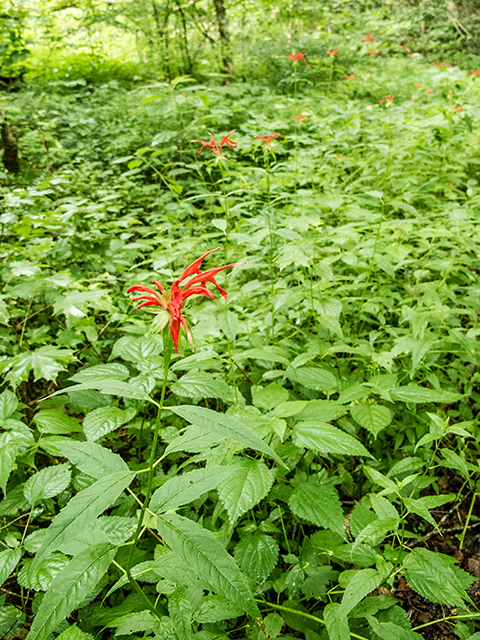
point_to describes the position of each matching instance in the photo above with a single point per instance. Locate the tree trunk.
(10, 149)
(163, 35)
(224, 39)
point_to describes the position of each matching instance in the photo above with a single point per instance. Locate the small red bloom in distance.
(296, 58)
(382, 101)
(372, 52)
(474, 73)
(389, 99)
(300, 118)
(459, 108)
(217, 148)
(332, 53)
(170, 302)
(267, 139)
(429, 91)
(368, 38)
(349, 77)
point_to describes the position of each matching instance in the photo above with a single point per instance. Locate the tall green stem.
(272, 242)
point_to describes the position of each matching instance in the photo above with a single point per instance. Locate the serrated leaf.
(267, 354)
(111, 387)
(39, 578)
(337, 625)
(74, 633)
(257, 556)
(199, 548)
(224, 426)
(69, 588)
(103, 420)
(355, 392)
(372, 417)
(200, 384)
(184, 488)
(248, 482)
(362, 583)
(101, 371)
(313, 378)
(421, 506)
(8, 454)
(9, 558)
(318, 504)
(91, 458)
(216, 608)
(193, 439)
(135, 349)
(55, 421)
(180, 611)
(390, 630)
(325, 438)
(82, 509)
(431, 577)
(8, 405)
(288, 409)
(416, 394)
(270, 396)
(46, 363)
(47, 483)
(376, 531)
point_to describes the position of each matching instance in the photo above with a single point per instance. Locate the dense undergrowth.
(323, 426)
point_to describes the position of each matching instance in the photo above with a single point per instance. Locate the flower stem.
(272, 241)
(167, 355)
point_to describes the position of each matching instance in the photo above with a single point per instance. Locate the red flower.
(171, 301)
(332, 53)
(368, 38)
(217, 148)
(389, 99)
(372, 52)
(459, 108)
(267, 139)
(474, 73)
(300, 118)
(419, 84)
(296, 58)
(442, 64)
(349, 77)
(429, 91)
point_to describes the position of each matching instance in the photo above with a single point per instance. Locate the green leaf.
(372, 417)
(184, 488)
(376, 531)
(103, 420)
(453, 461)
(180, 611)
(362, 583)
(8, 405)
(216, 608)
(39, 578)
(55, 421)
(224, 426)
(46, 363)
(325, 438)
(101, 371)
(8, 561)
(69, 588)
(110, 386)
(288, 409)
(318, 504)
(47, 483)
(421, 506)
(390, 630)
(74, 633)
(416, 394)
(136, 348)
(269, 397)
(257, 556)
(267, 354)
(91, 458)
(200, 384)
(8, 454)
(337, 624)
(429, 574)
(82, 509)
(208, 558)
(248, 482)
(313, 378)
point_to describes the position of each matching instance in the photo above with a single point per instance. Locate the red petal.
(195, 266)
(149, 302)
(197, 291)
(156, 283)
(141, 287)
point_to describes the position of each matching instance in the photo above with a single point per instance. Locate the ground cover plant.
(281, 441)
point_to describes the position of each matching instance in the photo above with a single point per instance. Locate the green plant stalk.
(168, 345)
(272, 242)
(462, 537)
(138, 589)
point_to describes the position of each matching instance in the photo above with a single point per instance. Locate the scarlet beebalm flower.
(429, 91)
(217, 148)
(170, 302)
(349, 77)
(459, 108)
(389, 99)
(296, 58)
(332, 53)
(267, 139)
(474, 73)
(419, 84)
(300, 118)
(372, 52)
(368, 38)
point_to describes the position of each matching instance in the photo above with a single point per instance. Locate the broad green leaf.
(194, 439)
(8, 405)
(47, 483)
(180, 611)
(325, 438)
(318, 504)
(362, 583)
(8, 454)
(76, 303)
(376, 531)
(69, 588)
(103, 420)
(453, 461)
(269, 397)
(199, 548)
(40, 578)
(421, 506)
(55, 421)
(216, 608)
(390, 630)
(416, 394)
(288, 409)
(257, 556)
(9, 558)
(101, 371)
(74, 633)
(355, 392)
(91, 458)
(219, 424)
(247, 483)
(136, 623)
(337, 624)
(273, 623)
(372, 417)
(200, 384)
(428, 573)
(136, 348)
(82, 509)
(45, 362)
(184, 488)
(267, 354)
(110, 386)
(313, 378)
(321, 411)
(10, 620)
